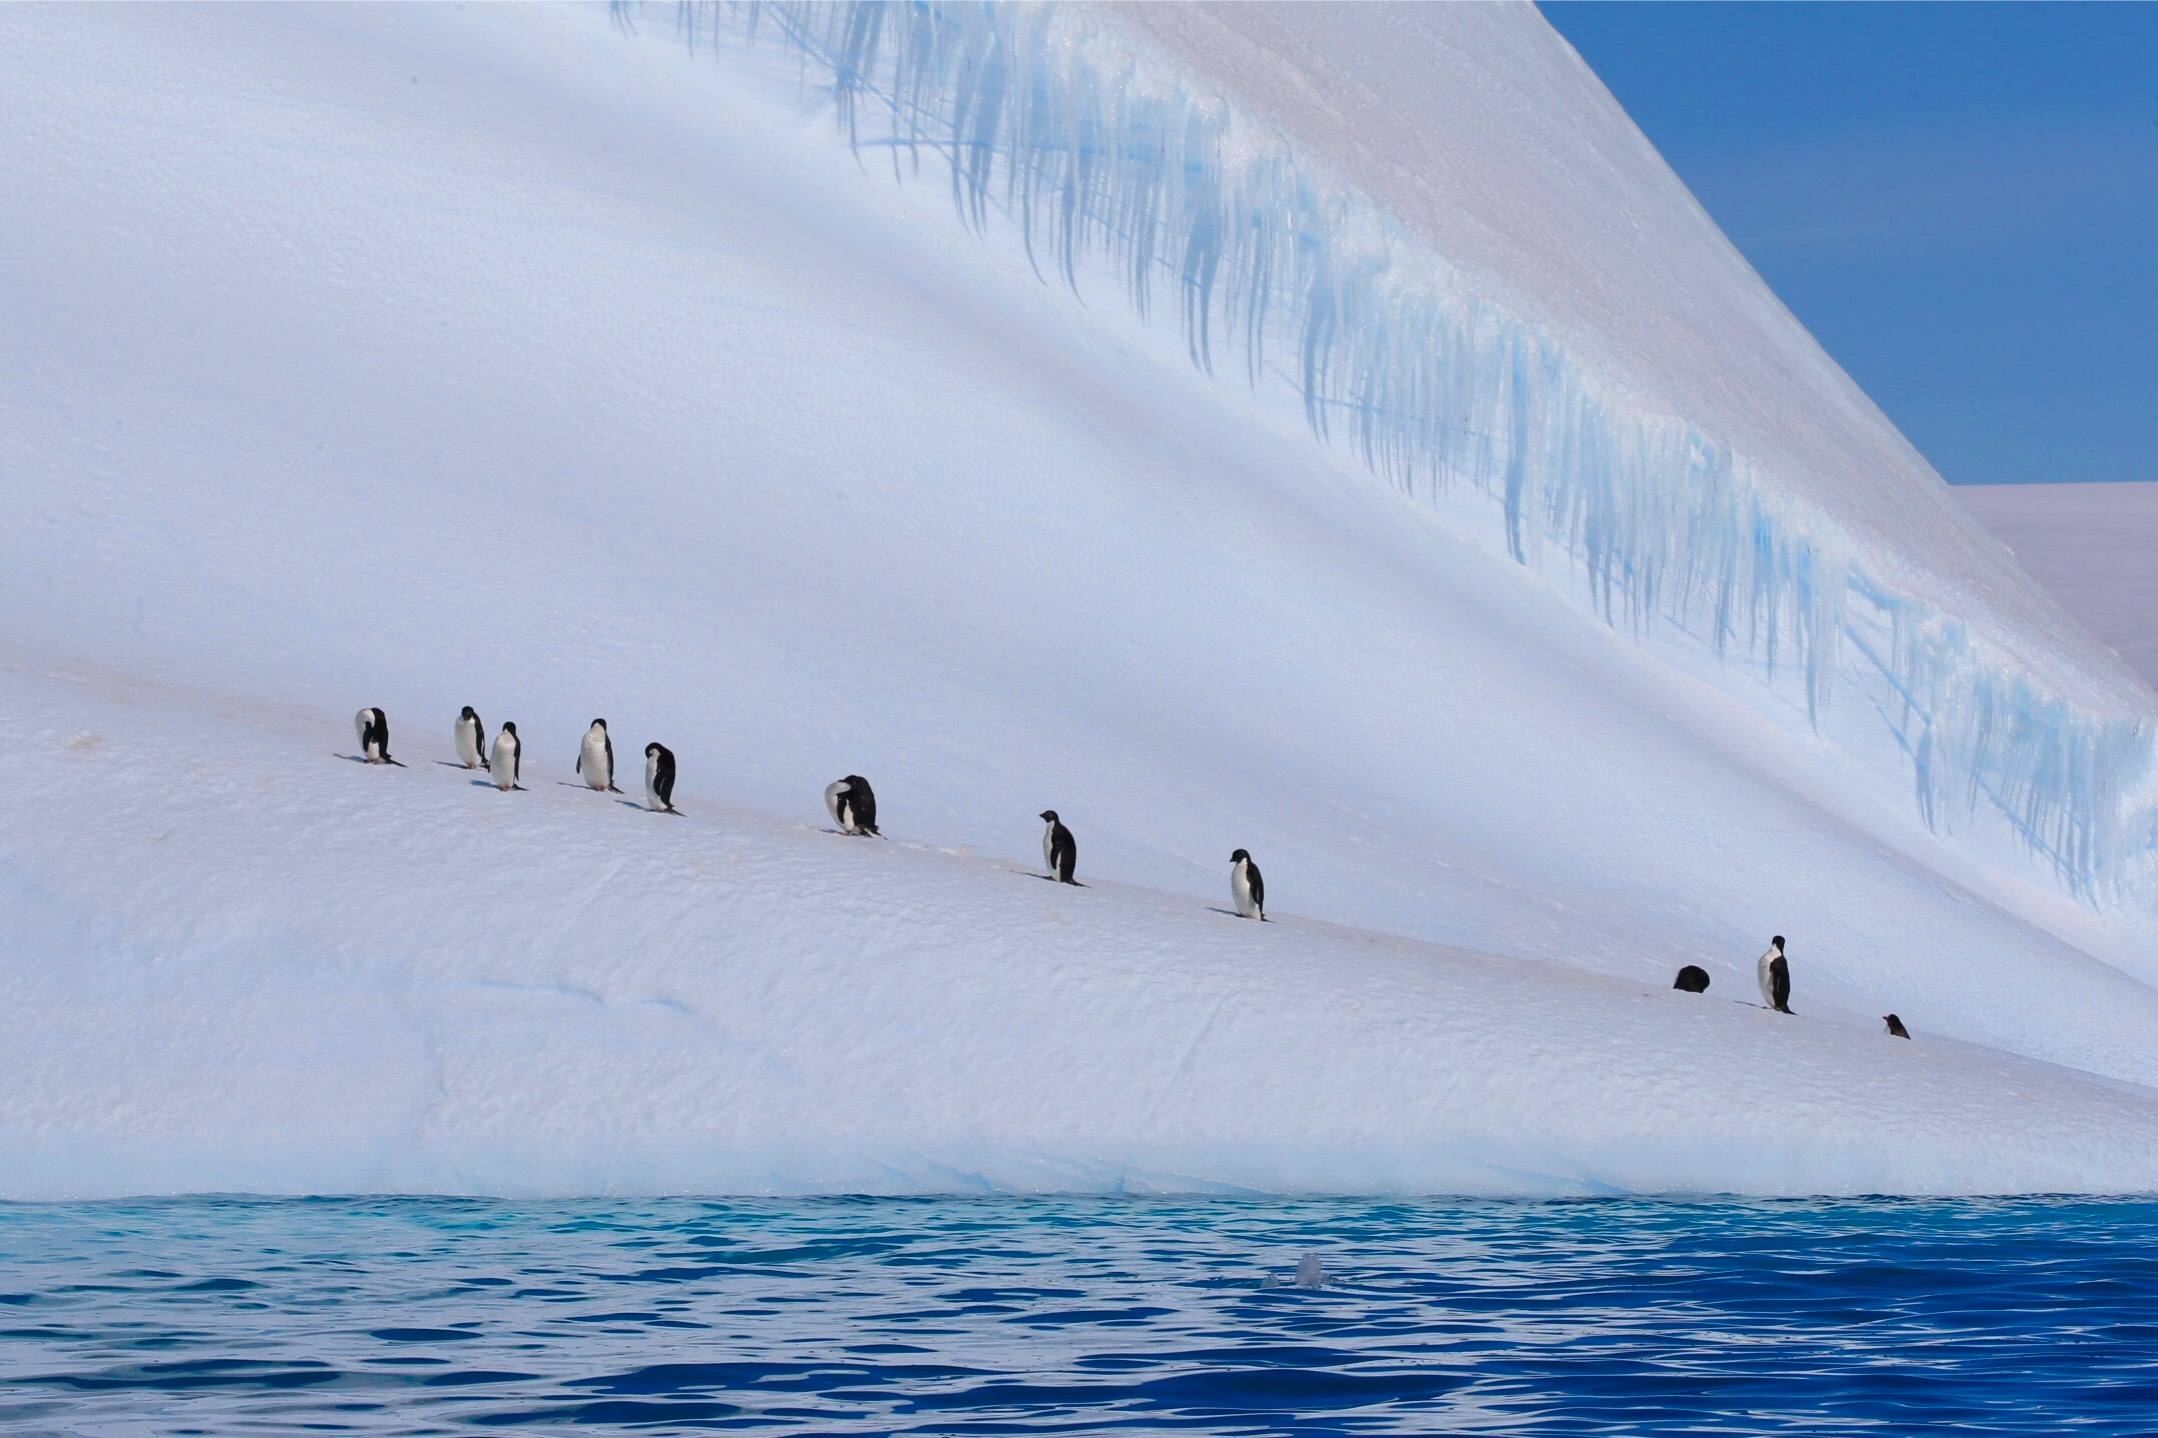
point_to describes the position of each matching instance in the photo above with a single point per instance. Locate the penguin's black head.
(856, 781)
(1776, 942)
(1049, 816)
(1241, 856)
(651, 749)
(509, 729)
(599, 723)
(468, 714)
(1891, 1019)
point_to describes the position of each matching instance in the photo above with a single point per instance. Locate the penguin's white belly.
(1240, 887)
(651, 782)
(596, 769)
(832, 791)
(468, 744)
(505, 764)
(368, 751)
(1049, 850)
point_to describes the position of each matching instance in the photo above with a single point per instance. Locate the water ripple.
(983, 1316)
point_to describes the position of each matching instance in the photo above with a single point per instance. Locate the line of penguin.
(850, 801)
(1773, 972)
(853, 807)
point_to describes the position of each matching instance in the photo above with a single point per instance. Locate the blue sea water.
(1007, 1315)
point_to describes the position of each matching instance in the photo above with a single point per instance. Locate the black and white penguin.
(471, 737)
(659, 778)
(595, 757)
(1060, 852)
(1896, 1030)
(508, 758)
(1693, 979)
(1774, 971)
(853, 805)
(373, 727)
(1246, 887)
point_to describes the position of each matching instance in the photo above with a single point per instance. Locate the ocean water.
(1008, 1315)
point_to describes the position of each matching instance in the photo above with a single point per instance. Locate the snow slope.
(2090, 545)
(422, 356)
(555, 991)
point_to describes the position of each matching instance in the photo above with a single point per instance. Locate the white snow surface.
(421, 356)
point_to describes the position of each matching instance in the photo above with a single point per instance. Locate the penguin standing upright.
(1060, 852)
(373, 727)
(659, 778)
(471, 737)
(1246, 887)
(1774, 971)
(853, 805)
(595, 757)
(508, 758)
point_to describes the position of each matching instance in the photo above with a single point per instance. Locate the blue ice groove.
(1049, 118)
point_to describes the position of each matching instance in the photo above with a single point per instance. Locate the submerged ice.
(1054, 121)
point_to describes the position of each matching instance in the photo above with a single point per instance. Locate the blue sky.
(1959, 200)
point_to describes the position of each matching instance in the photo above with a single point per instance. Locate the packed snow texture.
(1744, 491)
(557, 991)
(423, 356)
(2092, 547)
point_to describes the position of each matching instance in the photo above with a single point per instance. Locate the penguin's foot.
(612, 790)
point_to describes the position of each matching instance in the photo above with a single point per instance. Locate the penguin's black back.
(1693, 979)
(1779, 983)
(864, 800)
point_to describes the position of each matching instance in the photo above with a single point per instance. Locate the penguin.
(1693, 979)
(1896, 1030)
(508, 758)
(659, 778)
(853, 805)
(1774, 971)
(471, 737)
(595, 758)
(373, 727)
(1246, 887)
(1060, 852)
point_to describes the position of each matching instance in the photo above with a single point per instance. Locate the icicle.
(1045, 117)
